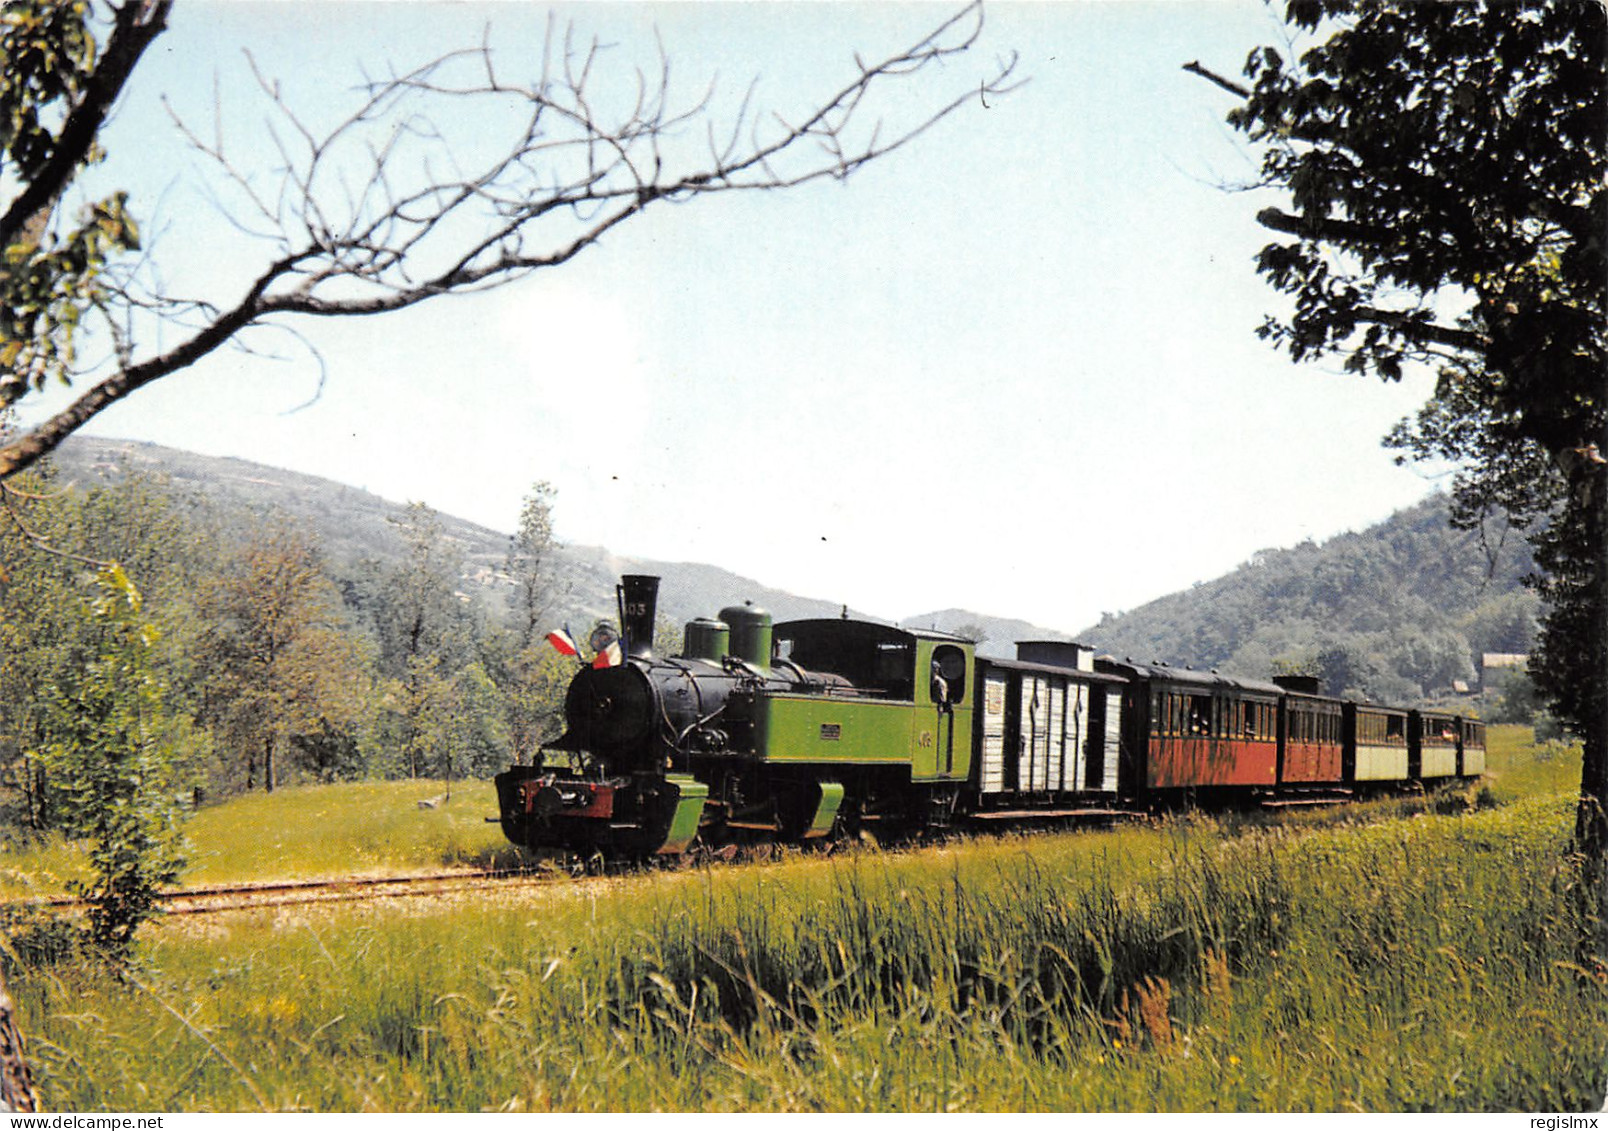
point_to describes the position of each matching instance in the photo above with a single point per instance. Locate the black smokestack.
(639, 606)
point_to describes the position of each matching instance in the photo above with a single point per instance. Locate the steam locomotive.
(811, 729)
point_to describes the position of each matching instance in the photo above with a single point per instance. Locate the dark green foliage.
(1454, 157)
(36, 939)
(329, 753)
(1516, 699)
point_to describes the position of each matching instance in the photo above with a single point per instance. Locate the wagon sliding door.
(1104, 775)
(991, 776)
(1037, 708)
(1075, 764)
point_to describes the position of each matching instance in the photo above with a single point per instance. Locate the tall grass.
(1430, 962)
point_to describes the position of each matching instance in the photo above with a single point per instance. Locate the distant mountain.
(354, 525)
(1400, 611)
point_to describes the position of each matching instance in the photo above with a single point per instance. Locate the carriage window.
(1198, 719)
(1388, 730)
(1261, 720)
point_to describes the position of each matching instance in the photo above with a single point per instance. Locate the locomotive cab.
(909, 702)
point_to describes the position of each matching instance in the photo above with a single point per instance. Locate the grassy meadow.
(307, 832)
(1383, 957)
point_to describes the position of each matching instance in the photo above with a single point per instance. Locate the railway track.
(568, 868)
(243, 897)
(251, 896)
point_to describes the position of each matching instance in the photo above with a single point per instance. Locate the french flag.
(564, 642)
(609, 656)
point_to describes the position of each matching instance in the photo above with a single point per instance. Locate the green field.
(1383, 957)
(308, 832)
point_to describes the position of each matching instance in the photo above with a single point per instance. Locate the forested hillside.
(1397, 612)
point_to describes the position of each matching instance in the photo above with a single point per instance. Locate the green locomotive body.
(756, 730)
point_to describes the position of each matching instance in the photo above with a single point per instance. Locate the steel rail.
(233, 897)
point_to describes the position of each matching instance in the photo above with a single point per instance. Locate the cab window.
(948, 673)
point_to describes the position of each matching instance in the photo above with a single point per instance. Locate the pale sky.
(1012, 368)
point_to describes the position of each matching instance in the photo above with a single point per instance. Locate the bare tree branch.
(385, 209)
(1229, 85)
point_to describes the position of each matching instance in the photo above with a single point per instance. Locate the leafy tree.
(669, 636)
(522, 658)
(419, 612)
(402, 200)
(1448, 196)
(1514, 697)
(331, 752)
(55, 91)
(38, 627)
(1505, 623)
(531, 552)
(119, 758)
(52, 542)
(472, 738)
(427, 634)
(280, 668)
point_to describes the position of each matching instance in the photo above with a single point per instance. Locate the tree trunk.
(268, 762)
(33, 792)
(16, 1080)
(1591, 819)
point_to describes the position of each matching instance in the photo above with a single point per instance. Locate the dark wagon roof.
(1165, 673)
(1051, 669)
